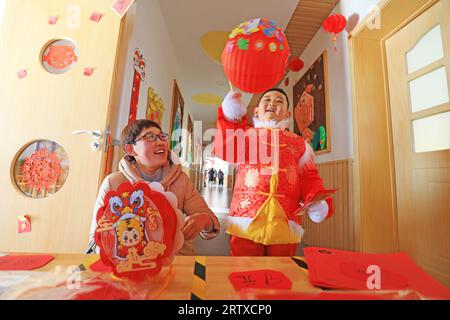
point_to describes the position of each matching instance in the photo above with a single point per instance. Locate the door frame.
(375, 201)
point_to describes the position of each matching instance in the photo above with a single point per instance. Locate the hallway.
(218, 199)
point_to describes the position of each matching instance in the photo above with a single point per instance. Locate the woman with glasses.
(147, 158)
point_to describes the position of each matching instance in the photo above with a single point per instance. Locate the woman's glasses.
(151, 137)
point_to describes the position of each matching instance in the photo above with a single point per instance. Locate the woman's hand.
(196, 223)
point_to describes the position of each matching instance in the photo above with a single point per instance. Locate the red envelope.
(337, 269)
(313, 199)
(24, 262)
(264, 279)
(99, 266)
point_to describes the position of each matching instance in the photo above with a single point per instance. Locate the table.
(185, 285)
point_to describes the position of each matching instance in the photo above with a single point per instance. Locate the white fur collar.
(283, 124)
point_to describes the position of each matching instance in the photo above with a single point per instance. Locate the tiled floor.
(218, 199)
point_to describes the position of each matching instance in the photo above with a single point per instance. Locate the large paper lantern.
(139, 230)
(255, 56)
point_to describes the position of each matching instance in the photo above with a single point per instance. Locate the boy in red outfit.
(276, 172)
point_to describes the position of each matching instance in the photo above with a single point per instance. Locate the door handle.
(96, 134)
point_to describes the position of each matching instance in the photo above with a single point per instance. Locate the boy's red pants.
(244, 247)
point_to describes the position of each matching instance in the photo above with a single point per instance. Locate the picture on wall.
(155, 106)
(177, 120)
(138, 77)
(311, 106)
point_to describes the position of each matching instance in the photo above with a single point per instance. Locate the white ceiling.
(188, 20)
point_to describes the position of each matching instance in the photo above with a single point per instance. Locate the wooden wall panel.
(338, 231)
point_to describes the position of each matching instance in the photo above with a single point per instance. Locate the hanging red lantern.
(296, 64)
(335, 24)
(255, 57)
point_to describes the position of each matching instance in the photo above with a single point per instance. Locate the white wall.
(2, 10)
(338, 80)
(151, 37)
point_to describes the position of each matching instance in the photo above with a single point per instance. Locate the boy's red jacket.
(270, 184)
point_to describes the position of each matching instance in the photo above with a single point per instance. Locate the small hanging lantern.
(296, 64)
(335, 24)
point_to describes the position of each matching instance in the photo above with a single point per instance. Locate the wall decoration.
(41, 169)
(139, 230)
(255, 56)
(138, 77)
(155, 106)
(52, 20)
(121, 7)
(21, 73)
(311, 111)
(190, 142)
(88, 71)
(60, 56)
(96, 17)
(23, 224)
(177, 120)
(334, 24)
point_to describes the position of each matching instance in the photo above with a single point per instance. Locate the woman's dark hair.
(276, 89)
(133, 130)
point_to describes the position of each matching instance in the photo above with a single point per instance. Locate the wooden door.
(418, 60)
(46, 171)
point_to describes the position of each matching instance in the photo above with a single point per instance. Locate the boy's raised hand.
(232, 106)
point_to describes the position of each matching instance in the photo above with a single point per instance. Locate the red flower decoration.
(296, 64)
(41, 170)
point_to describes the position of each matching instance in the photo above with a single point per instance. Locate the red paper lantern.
(296, 64)
(335, 24)
(255, 57)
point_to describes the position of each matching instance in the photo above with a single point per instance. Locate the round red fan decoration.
(255, 57)
(137, 231)
(41, 170)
